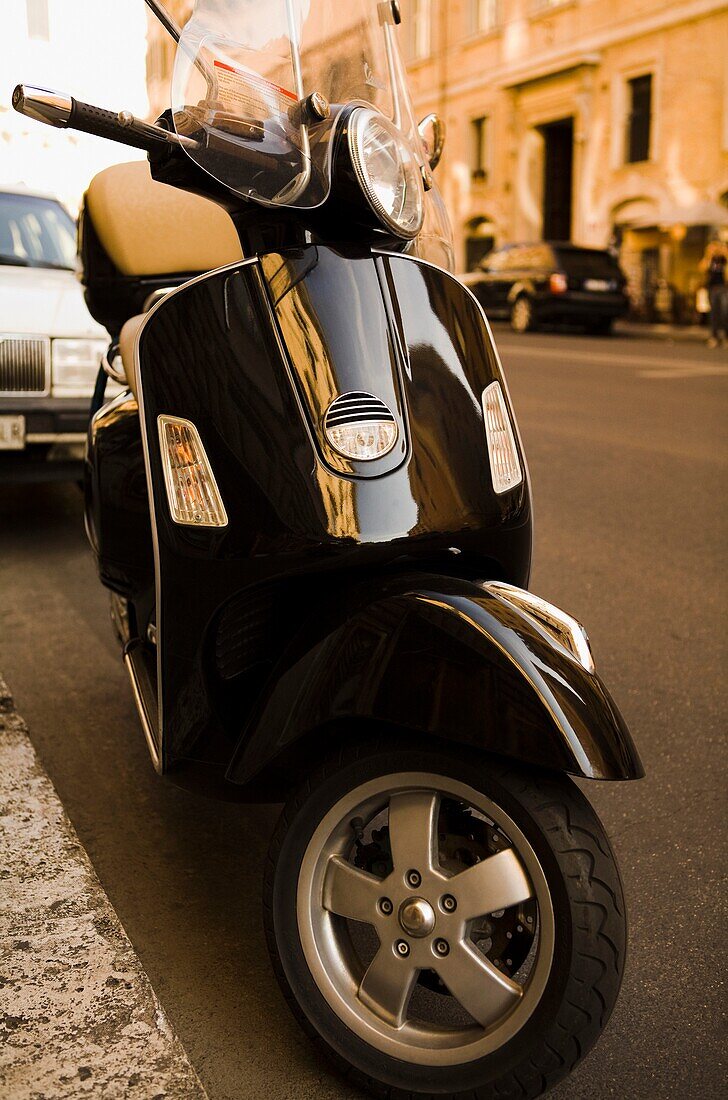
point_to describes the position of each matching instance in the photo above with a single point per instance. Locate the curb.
(78, 1015)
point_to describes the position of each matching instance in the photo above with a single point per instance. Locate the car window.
(35, 232)
(588, 263)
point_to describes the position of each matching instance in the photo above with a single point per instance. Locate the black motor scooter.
(311, 507)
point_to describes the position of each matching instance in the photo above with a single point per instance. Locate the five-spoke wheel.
(437, 925)
(424, 912)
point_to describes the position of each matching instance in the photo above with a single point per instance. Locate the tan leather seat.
(149, 228)
(127, 343)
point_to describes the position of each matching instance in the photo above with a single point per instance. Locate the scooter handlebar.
(65, 112)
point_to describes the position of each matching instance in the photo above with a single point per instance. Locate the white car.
(50, 346)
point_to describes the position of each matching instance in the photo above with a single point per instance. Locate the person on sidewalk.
(715, 267)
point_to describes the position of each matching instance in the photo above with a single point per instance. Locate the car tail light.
(192, 492)
(505, 467)
(558, 283)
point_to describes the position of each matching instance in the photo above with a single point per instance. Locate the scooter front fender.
(445, 658)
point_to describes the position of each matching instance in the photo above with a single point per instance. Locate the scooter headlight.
(388, 172)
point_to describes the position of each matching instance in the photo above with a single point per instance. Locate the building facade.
(87, 49)
(601, 122)
(161, 50)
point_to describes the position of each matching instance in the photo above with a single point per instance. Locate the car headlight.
(388, 172)
(75, 364)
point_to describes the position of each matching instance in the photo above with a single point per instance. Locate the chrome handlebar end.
(43, 105)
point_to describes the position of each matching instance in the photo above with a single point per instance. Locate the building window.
(485, 15)
(639, 119)
(421, 29)
(37, 15)
(480, 147)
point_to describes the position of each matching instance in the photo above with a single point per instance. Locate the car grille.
(24, 365)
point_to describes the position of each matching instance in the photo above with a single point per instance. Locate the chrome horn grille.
(360, 426)
(357, 408)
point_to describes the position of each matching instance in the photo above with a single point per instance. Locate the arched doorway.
(636, 236)
(479, 240)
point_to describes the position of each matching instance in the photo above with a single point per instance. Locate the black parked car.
(551, 282)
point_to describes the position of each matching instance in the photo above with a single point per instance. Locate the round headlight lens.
(388, 172)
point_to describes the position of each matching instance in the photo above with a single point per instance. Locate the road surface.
(628, 456)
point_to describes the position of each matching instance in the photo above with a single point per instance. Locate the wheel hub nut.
(417, 917)
(449, 904)
(402, 948)
(442, 947)
(414, 878)
(385, 906)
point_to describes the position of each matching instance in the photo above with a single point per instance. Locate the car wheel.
(522, 318)
(601, 328)
(444, 925)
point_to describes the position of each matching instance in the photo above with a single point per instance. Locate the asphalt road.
(628, 456)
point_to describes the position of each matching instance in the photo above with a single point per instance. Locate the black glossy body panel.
(441, 657)
(339, 598)
(249, 365)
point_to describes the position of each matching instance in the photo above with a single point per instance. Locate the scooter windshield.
(244, 74)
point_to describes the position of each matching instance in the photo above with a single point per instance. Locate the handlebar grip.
(106, 124)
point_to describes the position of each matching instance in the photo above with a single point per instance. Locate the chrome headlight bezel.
(406, 217)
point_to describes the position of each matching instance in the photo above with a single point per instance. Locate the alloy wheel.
(425, 918)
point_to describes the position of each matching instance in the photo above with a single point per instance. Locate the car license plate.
(597, 284)
(12, 433)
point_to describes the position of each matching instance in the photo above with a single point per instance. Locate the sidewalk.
(694, 333)
(78, 1016)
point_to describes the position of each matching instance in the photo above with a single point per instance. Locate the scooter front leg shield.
(440, 657)
(254, 356)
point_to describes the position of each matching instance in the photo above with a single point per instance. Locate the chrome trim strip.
(143, 717)
(148, 469)
(547, 616)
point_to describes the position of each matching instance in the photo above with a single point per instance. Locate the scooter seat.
(138, 237)
(149, 229)
(127, 343)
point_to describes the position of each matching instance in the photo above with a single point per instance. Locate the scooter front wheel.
(445, 925)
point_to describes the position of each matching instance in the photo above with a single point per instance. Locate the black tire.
(589, 918)
(600, 328)
(523, 319)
